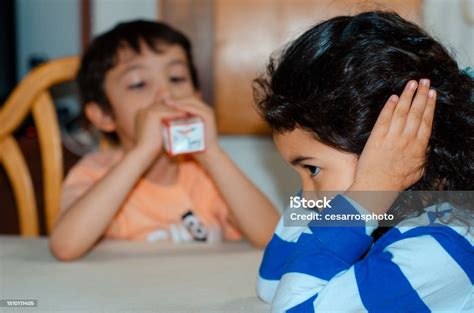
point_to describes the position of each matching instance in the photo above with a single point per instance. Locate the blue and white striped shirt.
(421, 265)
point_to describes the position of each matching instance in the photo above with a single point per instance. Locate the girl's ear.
(101, 120)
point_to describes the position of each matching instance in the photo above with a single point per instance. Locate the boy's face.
(321, 168)
(139, 80)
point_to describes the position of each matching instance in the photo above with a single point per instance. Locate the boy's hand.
(148, 129)
(206, 113)
(394, 156)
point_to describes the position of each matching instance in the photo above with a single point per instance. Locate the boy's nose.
(162, 94)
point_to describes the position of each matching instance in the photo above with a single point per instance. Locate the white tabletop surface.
(126, 277)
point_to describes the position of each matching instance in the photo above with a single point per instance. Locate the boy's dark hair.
(335, 78)
(101, 55)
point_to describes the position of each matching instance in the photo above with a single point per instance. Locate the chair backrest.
(32, 96)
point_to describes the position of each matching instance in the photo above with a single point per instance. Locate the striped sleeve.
(422, 270)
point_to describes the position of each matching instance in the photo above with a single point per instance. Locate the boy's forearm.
(254, 214)
(79, 228)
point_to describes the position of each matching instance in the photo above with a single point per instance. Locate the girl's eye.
(177, 79)
(313, 170)
(138, 85)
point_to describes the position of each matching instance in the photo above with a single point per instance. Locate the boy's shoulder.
(99, 161)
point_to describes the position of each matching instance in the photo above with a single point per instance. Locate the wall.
(452, 22)
(107, 13)
(49, 28)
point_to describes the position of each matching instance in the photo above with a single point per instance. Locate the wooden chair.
(32, 95)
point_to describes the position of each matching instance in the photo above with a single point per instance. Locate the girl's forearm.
(82, 225)
(253, 213)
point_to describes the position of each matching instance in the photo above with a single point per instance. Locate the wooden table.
(126, 277)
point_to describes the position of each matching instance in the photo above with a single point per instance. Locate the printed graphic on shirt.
(194, 226)
(190, 229)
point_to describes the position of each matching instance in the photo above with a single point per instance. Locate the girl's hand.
(394, 156)
(196, 107)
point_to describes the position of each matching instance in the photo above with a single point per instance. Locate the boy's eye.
(138, 85)
(313, 170)
(177, 79)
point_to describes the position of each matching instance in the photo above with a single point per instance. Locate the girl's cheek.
(340, 182)
(307, 183)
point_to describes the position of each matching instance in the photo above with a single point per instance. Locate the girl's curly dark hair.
(334, 79)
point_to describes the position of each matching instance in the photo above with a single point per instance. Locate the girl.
(325, 99)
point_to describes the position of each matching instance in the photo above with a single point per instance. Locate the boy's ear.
(101, 120)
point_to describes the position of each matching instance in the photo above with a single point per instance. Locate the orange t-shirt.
(155, 212)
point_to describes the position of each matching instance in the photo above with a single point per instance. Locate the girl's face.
(321, 168)
(141, 79)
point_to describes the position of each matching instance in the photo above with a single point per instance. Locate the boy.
(130, 79)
